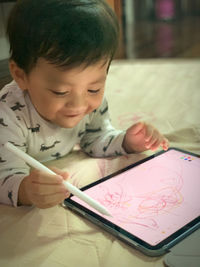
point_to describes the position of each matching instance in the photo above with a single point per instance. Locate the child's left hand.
(142, 136)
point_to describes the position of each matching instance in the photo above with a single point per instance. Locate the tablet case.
(186, 253)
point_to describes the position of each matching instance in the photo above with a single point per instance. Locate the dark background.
(155, 29)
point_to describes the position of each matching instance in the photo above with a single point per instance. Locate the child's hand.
(142, 136)
(43, 190)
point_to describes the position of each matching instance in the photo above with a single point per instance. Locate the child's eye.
(93, 91)
(59, 93)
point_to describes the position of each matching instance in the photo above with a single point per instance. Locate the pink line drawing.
(115, 200)
(143, 207)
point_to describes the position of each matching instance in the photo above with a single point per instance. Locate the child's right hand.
(43, 190)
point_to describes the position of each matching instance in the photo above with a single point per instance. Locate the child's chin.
(67, 124)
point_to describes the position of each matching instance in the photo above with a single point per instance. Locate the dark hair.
(66, 33)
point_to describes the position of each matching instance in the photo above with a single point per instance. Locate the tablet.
(154, 203)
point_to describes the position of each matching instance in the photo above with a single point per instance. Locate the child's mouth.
(72, 115)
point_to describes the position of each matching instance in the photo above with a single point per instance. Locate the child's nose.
(77, 101)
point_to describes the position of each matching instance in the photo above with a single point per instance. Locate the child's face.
(65, 97)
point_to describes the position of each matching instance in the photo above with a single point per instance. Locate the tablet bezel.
(122, 234)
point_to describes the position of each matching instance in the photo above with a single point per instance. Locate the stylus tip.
(107, 214)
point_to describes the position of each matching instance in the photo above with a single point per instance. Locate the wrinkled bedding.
(165, 93)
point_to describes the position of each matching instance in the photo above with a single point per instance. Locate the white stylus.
(72, 189)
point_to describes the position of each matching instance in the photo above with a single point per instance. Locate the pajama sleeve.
(101, 139)
(12, 169)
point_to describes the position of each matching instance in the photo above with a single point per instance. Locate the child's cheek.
(96, 104)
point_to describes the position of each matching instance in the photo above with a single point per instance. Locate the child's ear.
(18, 75)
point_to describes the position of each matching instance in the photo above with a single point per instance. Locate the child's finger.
(149, 133)
(40, 177)
(45, 189)
(154, 136)
(155, 145)
(64, 174)
(48, 201)
(165, 144)
(136, 128)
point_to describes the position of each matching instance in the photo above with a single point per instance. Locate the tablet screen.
(154, 199)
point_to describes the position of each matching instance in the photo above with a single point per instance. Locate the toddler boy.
(60, 55)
